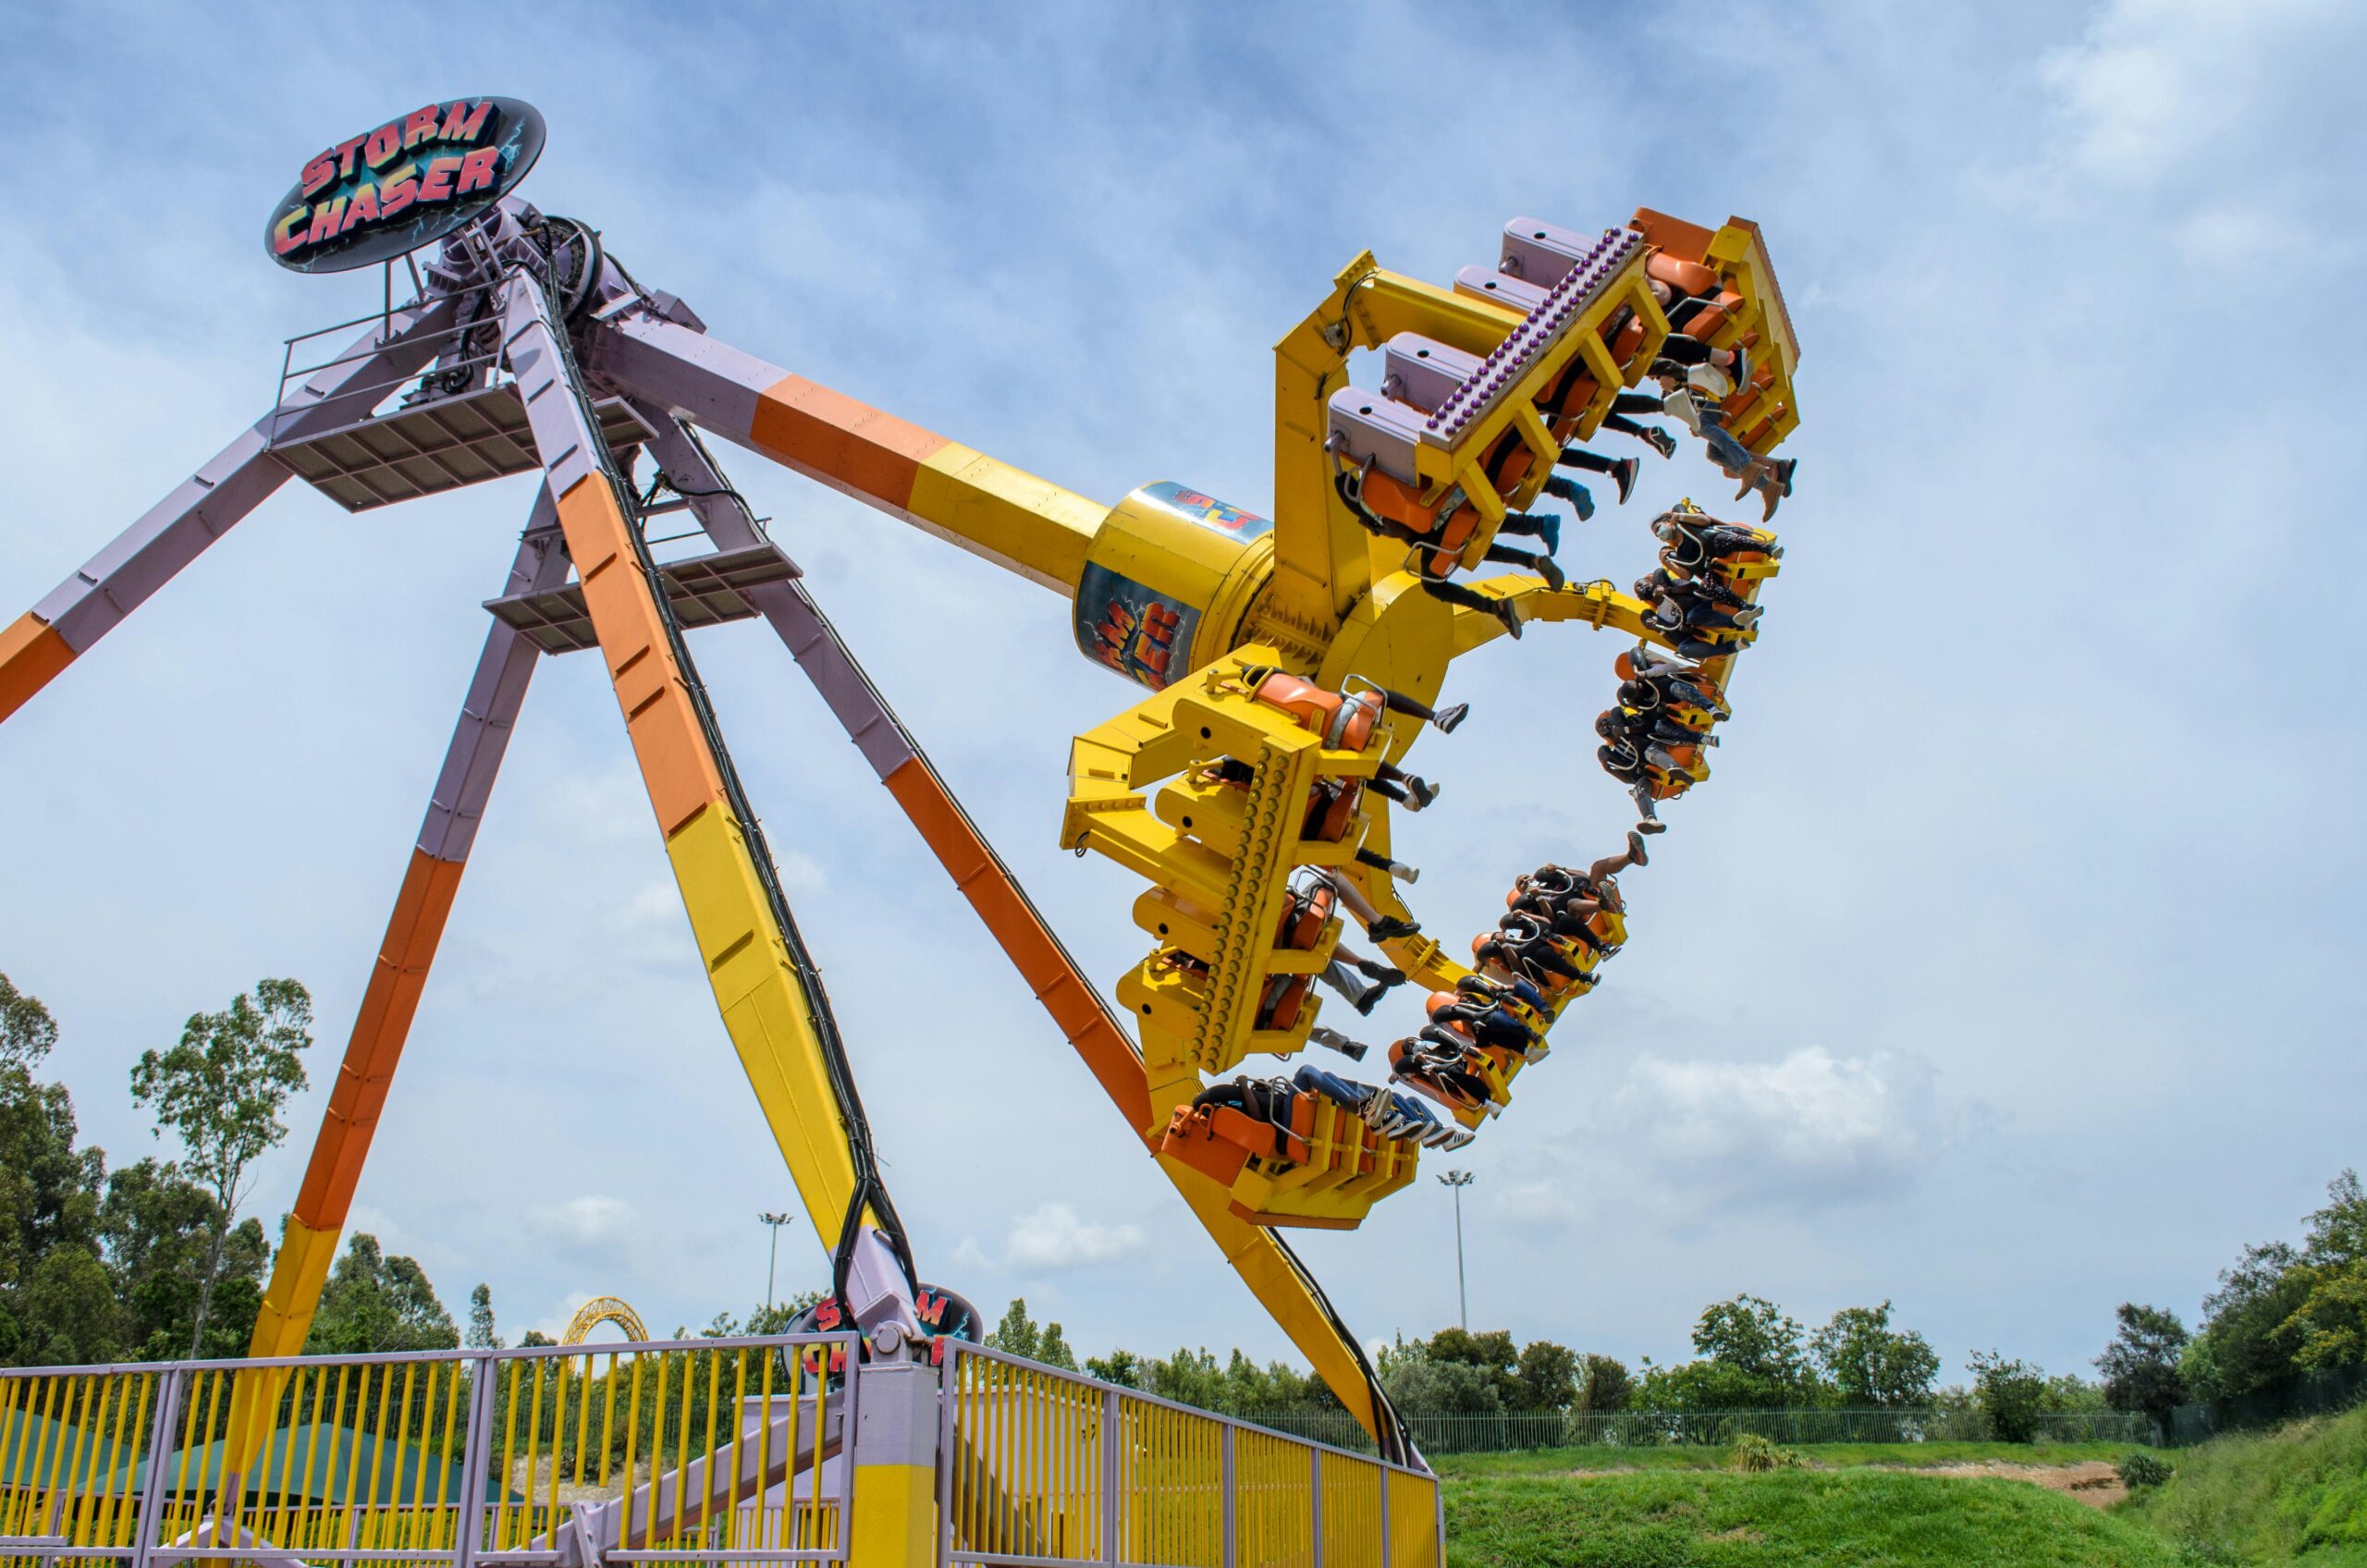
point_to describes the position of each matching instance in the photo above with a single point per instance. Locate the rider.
(1692, 396)
(1361, 980)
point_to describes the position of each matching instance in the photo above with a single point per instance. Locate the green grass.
(1836, 1456)
(1852, 1518)
(2298, 1494)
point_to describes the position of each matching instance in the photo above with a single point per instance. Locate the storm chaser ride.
(526, 347)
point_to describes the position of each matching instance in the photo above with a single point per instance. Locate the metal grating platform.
(704, 590)
(436, 447)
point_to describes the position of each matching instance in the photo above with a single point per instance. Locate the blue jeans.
(1729, 455)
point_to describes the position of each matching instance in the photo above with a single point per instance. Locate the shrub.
(2011, 1393)
(2140, 1469)
(1754, 1453)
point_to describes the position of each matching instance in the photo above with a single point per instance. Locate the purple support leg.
(172, 534)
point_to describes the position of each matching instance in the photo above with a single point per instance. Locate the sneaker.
(1419, 793)
(1364, 1006)
(1388, 929)
(1551, 570)
(1624, 473)
(1635, 848)
(1509, 613)
(1775, 495)
(1652, 824)
(1783, 467)
(1446, 719)
(1659, 440)
(1388, 974)
(1549, 531)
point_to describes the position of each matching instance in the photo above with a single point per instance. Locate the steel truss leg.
(175, 532)
(433, 877)
(764, 983)
(1264, 1263)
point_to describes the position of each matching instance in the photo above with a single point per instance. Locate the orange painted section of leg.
(31, 654)
(853, 443)
(666, 739)
(1066, 994)
(377, 1044)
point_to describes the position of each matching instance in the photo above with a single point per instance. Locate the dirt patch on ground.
(2094, 1482)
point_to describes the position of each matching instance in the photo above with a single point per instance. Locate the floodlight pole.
(774, 1221)
(1458, 1179)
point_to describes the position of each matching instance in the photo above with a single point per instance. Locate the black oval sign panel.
(404, 184)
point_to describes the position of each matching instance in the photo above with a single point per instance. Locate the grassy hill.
(1675, 1511)
(1863, 1518)
(2295, 1495)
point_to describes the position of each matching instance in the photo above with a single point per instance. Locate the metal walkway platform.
(704, 590)
(435, 447)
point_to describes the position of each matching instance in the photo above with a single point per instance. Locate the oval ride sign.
(404, 184)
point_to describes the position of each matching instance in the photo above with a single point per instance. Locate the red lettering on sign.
(363, 208)
(402, 189)
(825, 1316)
(464, 121)
(421, 126)
(345, 154)
(324, 221)
(319, 172)
(930, 1309)
(384, 143)
(284, 237)
(477, 171)
(435, 184)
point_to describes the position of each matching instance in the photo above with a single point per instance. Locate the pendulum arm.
(765, 982)
(1263, 1260)
(1022, 524)
(111, 584)
(308, 1242)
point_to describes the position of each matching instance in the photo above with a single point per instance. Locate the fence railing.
(2312, 1393)
(1513, 1430)
(1039, 1467)
(712, 1450)
(707, 1451)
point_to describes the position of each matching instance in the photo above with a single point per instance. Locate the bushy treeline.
(148, 1261)
(2282, 1309)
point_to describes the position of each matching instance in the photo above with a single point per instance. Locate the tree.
(2140, 1365)
(2012, 1393)
(1419, 1382)
(55, 1302)
(27, 1029)
(1751, 1358)
(374, 1304)
(1120, 1367)
(1755, 1337)
(2329, 1327)
(1604, 1384)
(1871, 1363)
(220, 1091)
(2249, 1336)
(1491, 1353)
(482, 1335)
(1021, 1335)
(1547, 1377)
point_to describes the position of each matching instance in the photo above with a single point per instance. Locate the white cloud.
(1052, 1238)
(588, 1220)
(1810, 1125)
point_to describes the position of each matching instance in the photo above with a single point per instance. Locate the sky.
(2007, 969)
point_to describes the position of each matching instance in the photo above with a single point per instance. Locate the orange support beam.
(31, 655)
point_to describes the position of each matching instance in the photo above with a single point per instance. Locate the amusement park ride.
(1289, 662)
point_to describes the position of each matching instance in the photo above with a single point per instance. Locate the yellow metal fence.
(720, 1450)
(1040, 1467)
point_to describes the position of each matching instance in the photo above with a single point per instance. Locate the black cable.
(869, 1189)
